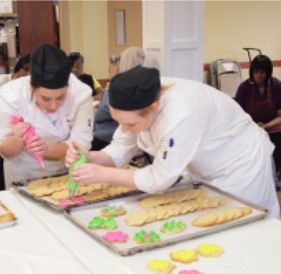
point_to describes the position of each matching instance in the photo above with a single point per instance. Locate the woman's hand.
(19, 131)
(87, 173)
(37, 145)
(72, 154)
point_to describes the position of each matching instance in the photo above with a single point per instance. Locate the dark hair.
(21, 62)
(5, 60)
(75, 56)
(261, 62)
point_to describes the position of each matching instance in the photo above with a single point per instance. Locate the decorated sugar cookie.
(184, 256)
(146, 237)
(161, 266)
(99, 222)
(113, 211)
(115, 237)
(73, 201)
(173, 226)
(209, 250)
(192, 271)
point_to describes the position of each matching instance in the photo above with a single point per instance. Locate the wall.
(232, 25)
(229, 26)
(84, 29)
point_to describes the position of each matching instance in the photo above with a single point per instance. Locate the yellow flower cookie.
(184, 256)
(209, 250)
(161, 266)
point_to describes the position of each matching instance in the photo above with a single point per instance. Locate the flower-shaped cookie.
(99, 222)
(209, 250)
(161, 266)
(113, 211)
(173, 226)
(146, 237)
(115, 237)
(184, 256)
(192, 271)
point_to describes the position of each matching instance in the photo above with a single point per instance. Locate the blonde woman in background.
(105, 126)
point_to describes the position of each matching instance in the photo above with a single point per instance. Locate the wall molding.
(246, 65)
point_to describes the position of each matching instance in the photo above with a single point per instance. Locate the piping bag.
(29, 134)
(72, 185)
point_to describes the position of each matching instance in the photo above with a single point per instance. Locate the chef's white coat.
(5, 78)
(72, 121)
(205, 132)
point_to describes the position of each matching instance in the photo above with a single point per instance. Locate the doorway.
(124, 29)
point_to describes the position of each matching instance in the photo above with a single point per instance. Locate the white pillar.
(173, 37)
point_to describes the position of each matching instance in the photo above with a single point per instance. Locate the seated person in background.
(77, 67)
(260, 96)
(21, 69)
(56, 104)
(188, 127)
(104, 125)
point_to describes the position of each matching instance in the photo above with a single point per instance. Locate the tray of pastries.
(53, 192)
(142, 222)
(7, 217)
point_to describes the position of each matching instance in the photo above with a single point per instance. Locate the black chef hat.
(50, 67)
(134, 89)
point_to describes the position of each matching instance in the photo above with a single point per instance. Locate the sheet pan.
(21, 187)
(81, 216)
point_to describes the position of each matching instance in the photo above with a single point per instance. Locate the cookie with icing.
(184, 256)
(192, 271)
(172, 226)
(209, 250)
(113, 211)
(146, 237)
(98, 222)
(161, 266)
(115, 237)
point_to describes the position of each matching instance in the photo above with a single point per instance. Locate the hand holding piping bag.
(72, 184)
(29, 134)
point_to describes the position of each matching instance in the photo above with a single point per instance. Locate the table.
(251, 249)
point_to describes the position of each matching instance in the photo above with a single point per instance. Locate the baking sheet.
(83, 215)
(21, 187)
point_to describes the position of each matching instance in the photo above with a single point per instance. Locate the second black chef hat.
(50, 67)
(134, 89)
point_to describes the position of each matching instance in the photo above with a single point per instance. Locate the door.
(37, 24)
(124, 29)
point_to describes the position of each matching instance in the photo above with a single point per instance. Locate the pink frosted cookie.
(115, 237)
(73, 201)
(192, 271)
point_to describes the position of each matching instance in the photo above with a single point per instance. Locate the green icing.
(110, 223)
(99, 222)
(172, 225)
(96, 222)
(82, 159)
(111, 211)
(144, 236)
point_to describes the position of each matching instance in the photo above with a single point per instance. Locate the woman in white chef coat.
(56, 104)
(186, 126)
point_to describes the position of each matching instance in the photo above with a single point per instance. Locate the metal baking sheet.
(83, 215)
(21, 187)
